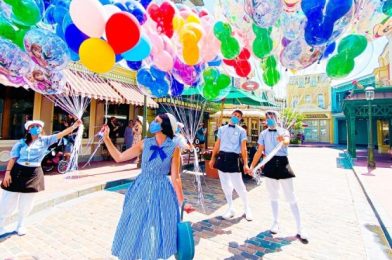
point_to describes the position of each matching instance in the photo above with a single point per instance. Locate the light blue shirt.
(32, 155)
(269, 140)
(231, 138)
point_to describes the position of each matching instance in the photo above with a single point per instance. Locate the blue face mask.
(35, 130)
(235, 120)
(155, 127)
(271, 122)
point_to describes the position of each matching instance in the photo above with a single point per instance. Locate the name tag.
(27, 163)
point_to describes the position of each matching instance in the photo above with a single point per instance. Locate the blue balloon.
(62, 3)
(59, 14)
(74, 56)
(74, 37)
(155, 80)
(59, 31)
(49, 15)
(134, 65)
(118, 57)
(121, 6)
(66, 21)
(105, 2)
(329, 50)
(137, 10)
(176, 88)
(145, 3)
(140, 51)
(215, 62)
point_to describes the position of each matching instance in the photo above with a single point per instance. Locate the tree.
(292, 119)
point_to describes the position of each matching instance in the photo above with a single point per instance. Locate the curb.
(382, 217)
(70, 195)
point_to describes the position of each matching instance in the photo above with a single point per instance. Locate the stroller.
(55, 157)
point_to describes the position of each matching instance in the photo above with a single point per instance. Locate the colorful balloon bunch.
(264, 13)
(343, 62)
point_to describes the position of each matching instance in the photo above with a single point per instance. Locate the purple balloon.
(134, 65)
(285, 41)
(184, 73)
(74, 37)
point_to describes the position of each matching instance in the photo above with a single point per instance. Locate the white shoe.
(229, 214)
(248, 214)
(21, 231)
(274, 228)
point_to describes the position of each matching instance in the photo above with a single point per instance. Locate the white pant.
(273, 186)
(233, 181)
(10, 201)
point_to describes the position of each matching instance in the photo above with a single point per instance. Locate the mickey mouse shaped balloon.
(153, 82)
(215, 86)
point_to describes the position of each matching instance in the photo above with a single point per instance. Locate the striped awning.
(131, 94)
(87, 84)
(4, 81)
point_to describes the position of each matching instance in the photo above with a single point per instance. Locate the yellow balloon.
(191, 54)
(193, 18)
(178, 23)
(195, 28)
(97, 55)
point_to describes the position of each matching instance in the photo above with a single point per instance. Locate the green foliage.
(289, 116)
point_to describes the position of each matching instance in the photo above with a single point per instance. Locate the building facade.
(310, 95)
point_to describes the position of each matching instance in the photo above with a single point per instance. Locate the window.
(320, 101)
(294, 102)
(301, 83)
(307, 80)
(308, 99)
(313, 81)
(60, 115)
(121, 113)
(16, 107)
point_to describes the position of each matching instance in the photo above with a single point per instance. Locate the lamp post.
(369, 91)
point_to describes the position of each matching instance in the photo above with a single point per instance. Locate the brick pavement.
(335, 213)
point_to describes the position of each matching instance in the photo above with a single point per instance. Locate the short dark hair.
(239, 112)
(166, 126)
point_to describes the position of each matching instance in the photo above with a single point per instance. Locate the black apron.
(26, 179)
(228, 162)
(278, 168)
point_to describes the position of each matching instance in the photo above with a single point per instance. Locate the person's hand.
(7, 180)
(77, 124)
(246, 169)
(188, 208)
(250, 171)
(105, 130)
(211, 164)
(280, 138)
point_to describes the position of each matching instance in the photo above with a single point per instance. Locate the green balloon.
(269, 62)
(210, 74)
(353, 45)
(387, 7)
(7, 31)
(263, 44)
(230, 47)
(19, 37)
(271, 77)
(25, 13)
(340, 66)
(222, 29)
(223, 81)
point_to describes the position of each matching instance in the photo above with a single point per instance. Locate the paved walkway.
(335, 213)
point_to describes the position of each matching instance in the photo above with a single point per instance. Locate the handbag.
(185, 241)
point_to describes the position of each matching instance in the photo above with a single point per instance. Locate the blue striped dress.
(148, 225)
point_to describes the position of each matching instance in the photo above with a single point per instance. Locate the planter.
(210, 172)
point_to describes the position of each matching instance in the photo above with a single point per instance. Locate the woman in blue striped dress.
(148, 225)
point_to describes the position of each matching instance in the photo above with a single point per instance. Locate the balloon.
(49, 15)
(112, 9)
(210, 45)
(271, 75)
(263, 43)
(163, 16)
(387, 7)
(46, 49)
(97, 55)
(153, 82)
(19, 38)
(26, 12)
(44, 82)
(74, 56)
(13, 61)
(162, 58)
(215, 86)
(329, 50)
(7, 31)
(298, 55)
(145, 3)
(184, 73)
(176, 88)
(140, 51)
(122, 32)
(137, 10)
(250, 85)
(89, 16)
(293, 25)
(230, 46)
(322, 16)
(241, 63)
(74, 37)
(190, 36)
(291, 6)
(264, 13)
(343, 62)
(134, 65)
(215, 62)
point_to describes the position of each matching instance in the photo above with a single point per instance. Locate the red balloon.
(122, 32)
(163, 16)
(240, 63)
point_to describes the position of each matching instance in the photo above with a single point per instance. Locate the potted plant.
(211, 172)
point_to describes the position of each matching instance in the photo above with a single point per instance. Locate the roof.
(131, 94)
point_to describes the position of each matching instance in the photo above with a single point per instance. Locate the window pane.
(308, 99)
(16, 108)
(320, 100)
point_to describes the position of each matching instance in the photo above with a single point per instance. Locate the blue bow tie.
(157, 150)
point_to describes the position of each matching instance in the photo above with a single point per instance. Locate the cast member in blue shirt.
(278, 171)
(230, 145)
(24, 176)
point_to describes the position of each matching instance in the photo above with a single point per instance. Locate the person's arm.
(244, 153)
(285, 138)
(175, 176)
(69, 130)
(7, 178)
(215, 151)
(256, 157)
(118, 156)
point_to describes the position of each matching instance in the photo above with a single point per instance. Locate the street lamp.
(369, 91)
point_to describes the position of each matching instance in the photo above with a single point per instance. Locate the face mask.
(35, 130)
(155, 127)
(271, 122)
(235, 120)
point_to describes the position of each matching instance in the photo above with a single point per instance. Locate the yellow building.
(311, 95)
